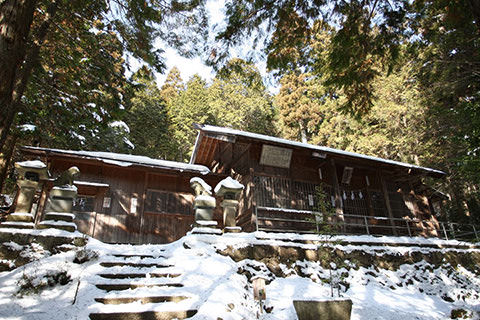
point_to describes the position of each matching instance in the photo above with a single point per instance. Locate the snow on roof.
(228, 183)
(126, 160)
(256, 136)
(37, 164)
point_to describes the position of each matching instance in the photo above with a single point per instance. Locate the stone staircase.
(58, 220)
(19, 220)
(139, 286)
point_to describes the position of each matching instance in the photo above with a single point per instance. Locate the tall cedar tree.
(26, 26)
(147, 117)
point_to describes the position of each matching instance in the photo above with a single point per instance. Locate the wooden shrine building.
(136, 199)
(370, 195)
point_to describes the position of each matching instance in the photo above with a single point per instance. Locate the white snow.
(126, 160)
(66, 188)
(34, 164)
(58, 223)
(229, 183)
(219, 287)
(27, 127)
(204, 197)
(205, 185)
(119, 124)
(205, 223)
(62, 214)
(92, 184)
(256, 136)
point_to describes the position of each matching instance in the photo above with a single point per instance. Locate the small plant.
(34, 283)
(327, 227)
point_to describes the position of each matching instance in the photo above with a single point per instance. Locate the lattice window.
(167, 202)
(84, 204)
(354, 201)
(378, 203)
(284, 193)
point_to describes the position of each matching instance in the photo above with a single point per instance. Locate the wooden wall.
(241, 159)
(122, 223)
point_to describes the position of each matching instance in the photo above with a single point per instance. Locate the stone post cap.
(228, 186)
(200, 187)
(34, 170)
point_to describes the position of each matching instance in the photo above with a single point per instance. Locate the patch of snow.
(204, 197)
(126, 160)
(14, 224)
(58, 223)
(22, 214)
(229, 183)
(62, 214)
(217, 286)
(67, 187)
(119, 124)
(5, 200)
(13, 246)
(27, 127)
(78, 136)
(205, 185)
(34, 164)
(92, 184)
(128, 143)
(206, 222)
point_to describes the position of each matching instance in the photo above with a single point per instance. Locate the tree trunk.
(15, 20)
(6, 159)
(21, 80)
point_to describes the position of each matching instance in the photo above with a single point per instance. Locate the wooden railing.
(304, 221)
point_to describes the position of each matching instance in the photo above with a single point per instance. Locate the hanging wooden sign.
(276, 156)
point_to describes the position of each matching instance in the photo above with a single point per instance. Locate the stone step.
(62, 225)
(138, 275)
(17, 225)
(143, 300)
(125, 286)
(146, 315)
(110, 264)
(59, 216)
(20, 217)
(141, 256)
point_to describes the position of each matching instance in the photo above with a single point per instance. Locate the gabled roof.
(121, 160)
(225, 133)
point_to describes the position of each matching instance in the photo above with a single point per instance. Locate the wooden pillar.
(142, 208)
(387, 203)
(368, 198)
(338, 196)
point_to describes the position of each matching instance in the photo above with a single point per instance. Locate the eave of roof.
(327, 150)
(123, 160)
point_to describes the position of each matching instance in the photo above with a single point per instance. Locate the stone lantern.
(58, 212)
(31, 175)
(64, 192)
(204, 203)
(230, 190)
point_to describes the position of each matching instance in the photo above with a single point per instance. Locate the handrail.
(450, 230)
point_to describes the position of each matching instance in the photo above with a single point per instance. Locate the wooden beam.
(387, 203)
(338, 196)
(241, 155)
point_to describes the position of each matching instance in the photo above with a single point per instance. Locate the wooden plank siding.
(122, 223)
(293, 187)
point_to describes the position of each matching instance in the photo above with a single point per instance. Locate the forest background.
(389, 78)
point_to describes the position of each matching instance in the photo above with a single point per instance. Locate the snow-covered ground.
(219, 287)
